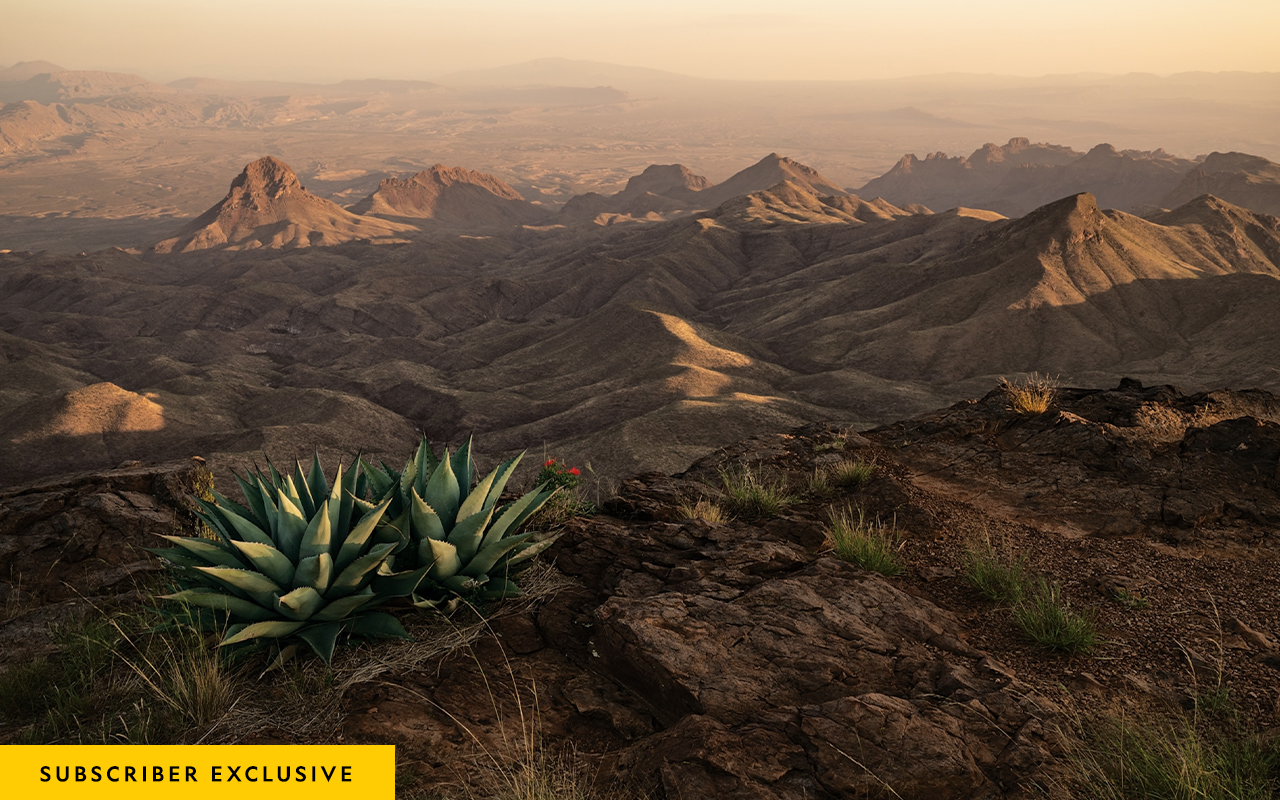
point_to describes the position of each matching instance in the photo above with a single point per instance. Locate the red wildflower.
(550, 461)
(574, 471)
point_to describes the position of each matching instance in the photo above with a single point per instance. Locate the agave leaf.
(277, 480)
(487, 492)
(351, 578)
(489, 555)
(527, 551)
(440, 557)
(500, 589)
(273, 516)
(316, 540)
(291, 526)
(225, 504)
(316, 484)
(211, 516)
(408, 478)
(426, 522)
(398, 584)
(379, 625)
(268, 560)
(209, 553)
(253, 496)
(255, 584)
(347, 495)
(442, 492)
(445, 606)
(379, 480)
(344, 607)
(290, 489)
(309, 502)
(463, 468)
(316, 572)
(468, 533)
(220, 601)
(300, 604)
(322, 639)
(273, 629)
(176, 555)
(246, 530)
(424, 463)
(395, 530)
(515, 515)
(285, 655)
(355, 542)
(461, 584)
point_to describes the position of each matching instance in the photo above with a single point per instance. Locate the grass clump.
(703, 509)
(750, 494)
(849, 473)
(1048, 622)
(1172, 760)
(996, 575)
(1029, 396)
(869, 544)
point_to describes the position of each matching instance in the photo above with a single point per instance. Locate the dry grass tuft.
(1030, 396)
(703, 509)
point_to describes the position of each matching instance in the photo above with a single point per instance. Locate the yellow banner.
(199, 772)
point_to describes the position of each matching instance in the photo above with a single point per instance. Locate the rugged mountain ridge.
(451, 195)
(1020, 176)
(775, 308)
(267, 206)
(664, 190)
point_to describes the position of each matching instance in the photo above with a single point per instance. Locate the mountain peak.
(267, 177)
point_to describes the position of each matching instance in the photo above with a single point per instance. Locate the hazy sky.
(813, 39)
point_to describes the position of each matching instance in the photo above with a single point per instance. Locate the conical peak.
(268, 176)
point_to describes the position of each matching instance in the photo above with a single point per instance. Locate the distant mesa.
(268, 207)
(451, 195)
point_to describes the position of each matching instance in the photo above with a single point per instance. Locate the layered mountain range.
(634, 347)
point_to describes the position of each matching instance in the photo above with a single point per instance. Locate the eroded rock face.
(83, 535)
(732, 660)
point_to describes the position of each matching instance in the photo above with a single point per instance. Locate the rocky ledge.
(742, 659)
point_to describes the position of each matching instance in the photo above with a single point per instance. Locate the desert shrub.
(1029, 396)
(1047, 621)
(750, 494)
(869, 544)
(996, 575)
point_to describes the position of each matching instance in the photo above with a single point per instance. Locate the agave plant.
(301, 560)
(464, 540)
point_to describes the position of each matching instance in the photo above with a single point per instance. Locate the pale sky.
(326, 40)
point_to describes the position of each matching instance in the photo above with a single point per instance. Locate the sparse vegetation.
(837, 443)
(703, 509)
(1047, 621)
(1157, 759)
(820, 485)
(748, 493)
(869, 544)
(565, 504)
(1130, 600)
(1030, 396)
(849, 473)
(996, 574)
